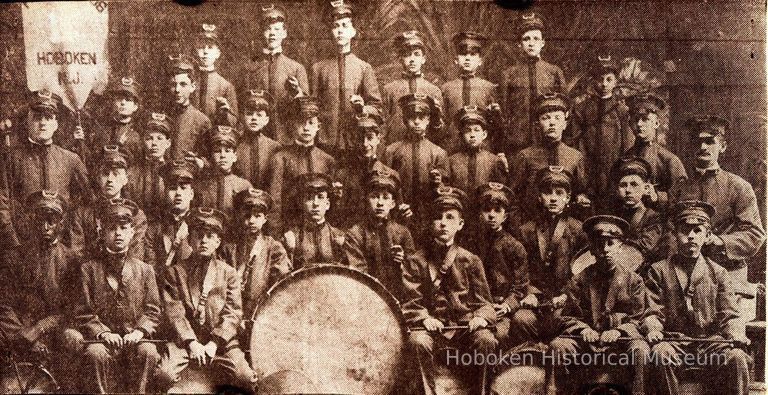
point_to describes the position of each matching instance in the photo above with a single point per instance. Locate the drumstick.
(157, 341)
(664, 339)
(449, 327)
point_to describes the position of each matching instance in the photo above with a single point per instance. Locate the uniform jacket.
(445, 283)
(271, 74)
(737, 216)
(467, 90)
(317, 244)
(359, 79)
(86, 232)
(368, 248)
(549, 258)
(353, 205)
(288, 163)
(146, 187)
(523, 83)
(217, 86)
(215, 189)
(182, 288)
(614, 299)
(189, 131)
(666, 168)
(469, 169)
(135, 304)
(714, 310)
(112, 132)
(159, 239)
(254, 158)
(396, 89)
(413, 159)
(646, 229)
(506, 266)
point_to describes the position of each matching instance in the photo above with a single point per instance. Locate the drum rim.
(39, 368)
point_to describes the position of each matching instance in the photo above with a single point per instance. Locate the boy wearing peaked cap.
(300, 157)
(189, 123)
(256, 147)
(313, 240)
(410, 49)
(552, 239)
(343, 82)
(474, 165)
(111, 178)
(666, 168)
(377, 244)
(445, 284)
(203, 303)
(145, 186)
(119, 305)
(525, 81)
(275, 73)
(468, 89)
(600, 127)
(216, 97)
(606, 301)
(692, 296)
(120, 128)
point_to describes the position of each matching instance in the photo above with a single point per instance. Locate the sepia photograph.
(454, 197)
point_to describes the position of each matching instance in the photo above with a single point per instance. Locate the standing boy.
(120, 128)
(145, 186)
(256, 148)
(190, 124)
(217, 98)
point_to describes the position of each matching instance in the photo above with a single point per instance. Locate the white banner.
(65, 46)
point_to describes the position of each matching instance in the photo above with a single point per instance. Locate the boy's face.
(255, 120)
(306, 130)
(224, 156)
(112, 181)
(645, 126)
(124, 105)
(253, 219)
(554, 199)
(371, 142)
(180, 196)
(605, 84)
(605, 249)
(274, 34)
(316, 205)
(182, 88)
(381, 203)
(493, 215)
(474, 135)
(709, 150)
(417, 123)
(42, 125)
(208, 54)
(204, 242)
(412, 60)
(631, 190)
(690, 238)
(48, 225)
(156, 144)
(343, 31)
(118, 236)
(445, 225)
(532, 42)
(553, 123)
(469, 62)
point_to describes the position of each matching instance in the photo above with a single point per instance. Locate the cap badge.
(158, 116)
(556, 169)
(495, 186)
(268, 7)
(209, 28)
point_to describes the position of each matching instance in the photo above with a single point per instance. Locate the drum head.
(337, 326)
(30, 380)
(629, 257)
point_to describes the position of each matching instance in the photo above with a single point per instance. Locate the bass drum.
(336, 328)
(629, 257)
(525, 375)
(27, 378)
(194, 380)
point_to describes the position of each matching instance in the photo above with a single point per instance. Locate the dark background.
(704, 57)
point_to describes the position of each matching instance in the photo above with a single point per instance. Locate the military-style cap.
(207, 218)
(118, 211)
(416, 103)
(693, 212)
(271, 13)
(631, 165)
(449, 197)
(605, 226)
(223, 135)
(465, 42)
(208, 34)
(252, 198)
(178, 171)
(529, 22)
(644, 103)
(605, 64)
(44, 101)
(552, 101)
(257, 100)
(406, 41)
(370, 118)
(554, 176)
(339, 10)
(113, 157)
(470, 115)
(304, 107)
(383, 179)
(182, 63)
(158, 122)
(494, 192)
(125, 86)
(48, 202)
(314, 182)
(707, 126)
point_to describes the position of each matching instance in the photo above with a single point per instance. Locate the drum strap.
(547, 247)
(210, 277)
(436, 273)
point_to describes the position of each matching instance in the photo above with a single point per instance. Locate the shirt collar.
(714, 169)
(300, 144)
(467, 75)
(209, 69)
(273, 52)
(35, 143)
(122, 121)
(408, 75)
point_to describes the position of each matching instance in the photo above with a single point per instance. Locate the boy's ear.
(461, 223)
(567, 114)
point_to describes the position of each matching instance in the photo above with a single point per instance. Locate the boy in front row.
(445, 284)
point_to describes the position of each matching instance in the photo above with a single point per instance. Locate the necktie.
(44, 184)
(385, 245)
(531, 88)
(466, 90)
(412, 84)
(220, 192)
(416, 160)
(316, 241)
(342, 75)
(153, 198)
(471, 170)
(204, 91)
(271, 77)
(255, 176)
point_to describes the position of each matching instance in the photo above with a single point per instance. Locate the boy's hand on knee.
(210, 350)
(654, 336)
(502, 309)
(590, 335)
(610, 336)
(530, 301)
(133, 337)
(477, 323)
(197, 352)
(432, 324)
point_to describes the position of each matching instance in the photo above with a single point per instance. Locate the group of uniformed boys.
(466, 201)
